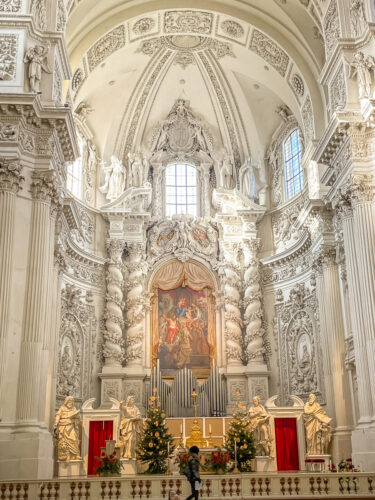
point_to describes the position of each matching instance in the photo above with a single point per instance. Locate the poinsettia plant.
(219, 459)
(109, 464)
(182, 461)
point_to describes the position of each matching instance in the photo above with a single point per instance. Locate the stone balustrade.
(241, 486)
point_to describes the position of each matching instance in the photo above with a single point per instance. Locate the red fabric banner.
(100, 430)
(286, 444)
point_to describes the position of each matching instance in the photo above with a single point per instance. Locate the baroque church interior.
(186, 208)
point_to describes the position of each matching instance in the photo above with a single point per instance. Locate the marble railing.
(241, 486)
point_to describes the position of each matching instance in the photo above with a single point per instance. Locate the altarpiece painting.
(183, 319)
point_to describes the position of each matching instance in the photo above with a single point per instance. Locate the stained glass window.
(180, 189)
(292, 165)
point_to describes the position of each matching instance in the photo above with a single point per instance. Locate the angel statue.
(115, 179)
(36, 57)
(361, 68)
(66, 431)
(317, 426)
(259, 423)
(130, 428)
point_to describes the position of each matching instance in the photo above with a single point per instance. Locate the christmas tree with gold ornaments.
(240, 440)
(156, 445)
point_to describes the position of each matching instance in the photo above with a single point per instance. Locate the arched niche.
(183, 318)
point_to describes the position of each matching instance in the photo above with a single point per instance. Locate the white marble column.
(10, 183)
(113, 351)
(333, 348)
(232, 312)
(358, 227)
(136, 303)
(50, 331)
(43, 189)
(253, 317)
(357, 212)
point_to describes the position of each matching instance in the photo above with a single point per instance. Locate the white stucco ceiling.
(252, 87)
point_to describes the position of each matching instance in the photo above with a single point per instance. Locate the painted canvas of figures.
(183, 331)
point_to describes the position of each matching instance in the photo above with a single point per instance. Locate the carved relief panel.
(76, 342)
(296, 327)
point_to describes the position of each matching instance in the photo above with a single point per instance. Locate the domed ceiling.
(234, 62)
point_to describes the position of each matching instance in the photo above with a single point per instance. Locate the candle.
(168, 448)
(210, 429)
(180, 428)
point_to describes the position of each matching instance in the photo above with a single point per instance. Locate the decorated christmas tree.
(156, 446)
(240, 440)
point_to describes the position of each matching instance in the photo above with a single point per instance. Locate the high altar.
(184, 309)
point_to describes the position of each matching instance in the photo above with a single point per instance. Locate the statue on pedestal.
(66, 431)
(317, 426)
(115, 179)
(226, 170)
(130, 429)
(259, 422)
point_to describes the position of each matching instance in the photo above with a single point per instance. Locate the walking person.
(191, 472)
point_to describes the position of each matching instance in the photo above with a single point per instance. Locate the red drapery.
(286, 444)
(100, 430)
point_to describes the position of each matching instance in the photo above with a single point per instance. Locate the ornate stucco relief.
(262, 45)
(296, 327)
(76, 344)
(112, 41)
(8, 56)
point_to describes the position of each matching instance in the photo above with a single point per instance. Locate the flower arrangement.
(219, 460)
(110, 465)
(344, 466)
(182, 461)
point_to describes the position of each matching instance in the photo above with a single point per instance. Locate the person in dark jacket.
(192, 472)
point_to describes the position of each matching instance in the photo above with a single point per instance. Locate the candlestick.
(168, 468)
(235, 470)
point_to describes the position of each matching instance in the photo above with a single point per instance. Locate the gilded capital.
(10, 175)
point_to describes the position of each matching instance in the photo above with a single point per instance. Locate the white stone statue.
(361, 68)
(115, 179)
(358, 18)
(226, 172)
(36, 57)
(250, 179)
(137, 167)
(259, 423)
(66, 431)
(130, 428)
(317, 426)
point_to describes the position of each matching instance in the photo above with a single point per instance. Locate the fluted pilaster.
(333, 337)
(10, 183)
(31, 372)
(113, 350)
(355, 208)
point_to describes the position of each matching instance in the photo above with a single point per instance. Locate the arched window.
(180, 189)
(292, 165)
(74, 173)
